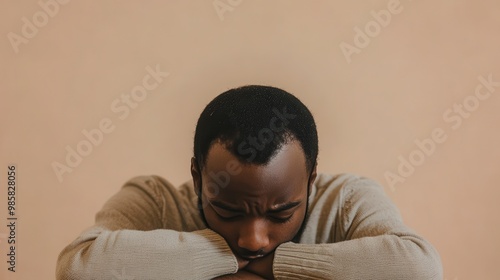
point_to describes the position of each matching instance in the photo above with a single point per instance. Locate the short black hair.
(254, 122)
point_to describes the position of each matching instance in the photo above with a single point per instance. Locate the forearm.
(379, 257)
(367, 239)
(157, 254)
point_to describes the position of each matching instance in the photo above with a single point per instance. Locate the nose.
(253, 236)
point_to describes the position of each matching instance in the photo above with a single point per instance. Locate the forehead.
(283, 176)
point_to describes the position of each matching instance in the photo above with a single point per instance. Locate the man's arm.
(374, 243)
(148, 230)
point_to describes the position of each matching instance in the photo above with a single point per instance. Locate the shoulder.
(348, 192)
(152, 188)
(158, 187)
(343, 185)
(334, 199)
(175, 206)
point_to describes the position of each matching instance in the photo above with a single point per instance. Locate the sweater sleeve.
(148, 230)
(373, 244)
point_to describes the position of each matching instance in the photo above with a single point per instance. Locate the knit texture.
(153, 230)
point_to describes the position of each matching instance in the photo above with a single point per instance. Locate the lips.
(251, 257)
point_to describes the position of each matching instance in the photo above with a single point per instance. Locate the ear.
(312, 177)
(196, 174)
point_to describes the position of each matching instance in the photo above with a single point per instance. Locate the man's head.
(255, 151)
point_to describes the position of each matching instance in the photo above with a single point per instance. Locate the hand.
(262, 266)
(242, 274)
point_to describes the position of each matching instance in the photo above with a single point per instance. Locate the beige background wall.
(63, 79)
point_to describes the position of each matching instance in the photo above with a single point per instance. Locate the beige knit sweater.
(152, 230)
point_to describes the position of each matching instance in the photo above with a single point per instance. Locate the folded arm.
(374, 244)
(141, 233)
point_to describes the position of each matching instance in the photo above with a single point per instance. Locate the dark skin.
(258, 208)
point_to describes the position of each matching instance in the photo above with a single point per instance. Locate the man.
(255, 209)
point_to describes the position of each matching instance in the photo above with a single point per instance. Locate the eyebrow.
(280, 208)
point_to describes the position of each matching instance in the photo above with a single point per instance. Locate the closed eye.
(227, 218)
(280, 220)
(224, 214)
(278, 215)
